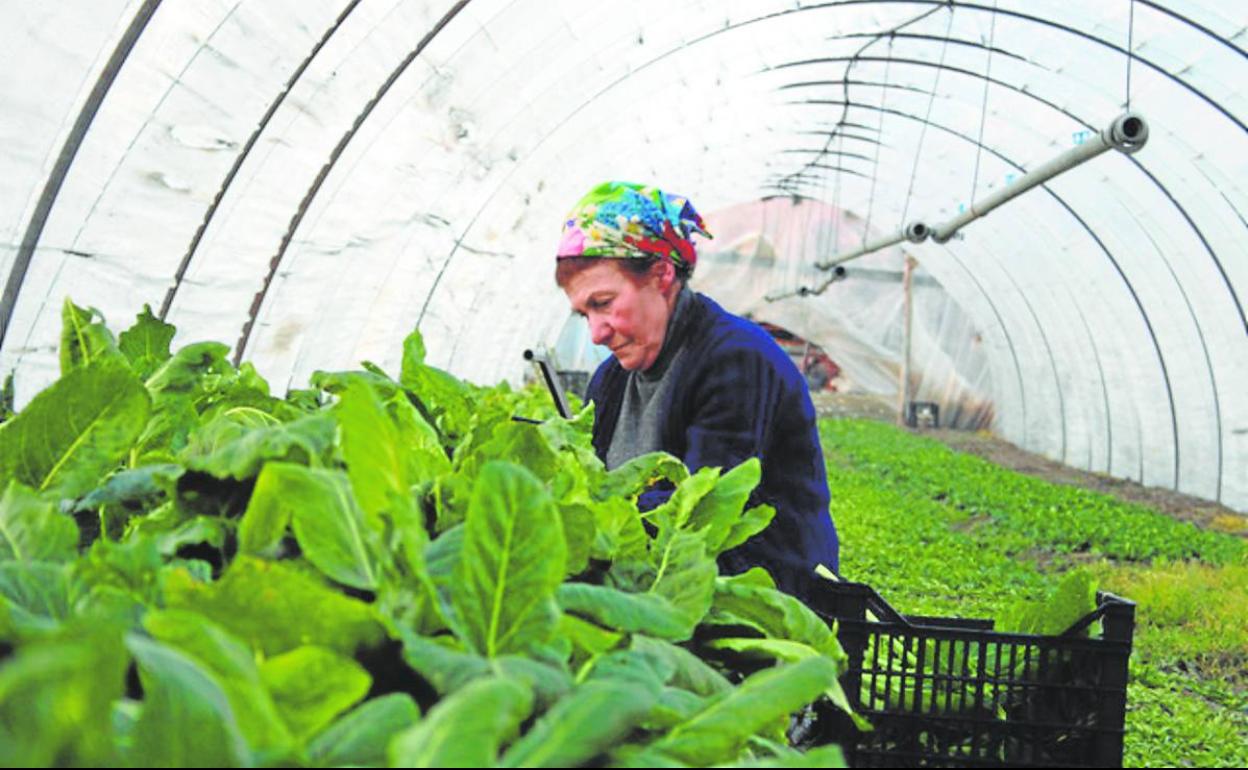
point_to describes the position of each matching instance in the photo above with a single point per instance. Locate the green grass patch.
(937, 532)
(1183, 721)
(1194, 617)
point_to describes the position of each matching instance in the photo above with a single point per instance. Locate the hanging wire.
(927, 119)
(845, 82)
(983, 113)
(836, 194)
(875, 167)
(1130, 49)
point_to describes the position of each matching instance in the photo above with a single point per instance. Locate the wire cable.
(875, 166)
(918, 153)
(1130, 49)
(983, 112)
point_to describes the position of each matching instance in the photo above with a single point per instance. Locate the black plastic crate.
(952, 692)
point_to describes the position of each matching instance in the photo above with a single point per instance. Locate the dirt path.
(1201, 512)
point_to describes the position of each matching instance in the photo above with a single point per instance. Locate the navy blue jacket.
(738, 395)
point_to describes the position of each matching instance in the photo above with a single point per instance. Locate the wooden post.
(903, 387)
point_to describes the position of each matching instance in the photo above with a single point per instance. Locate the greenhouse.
(916, 434)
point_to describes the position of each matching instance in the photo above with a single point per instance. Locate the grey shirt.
(637, 430)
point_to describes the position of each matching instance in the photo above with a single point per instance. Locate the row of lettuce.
(943, 533)
(371, 571)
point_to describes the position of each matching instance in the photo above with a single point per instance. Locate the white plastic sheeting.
(312, 179)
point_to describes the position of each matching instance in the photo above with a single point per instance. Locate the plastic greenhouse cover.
(309, 180)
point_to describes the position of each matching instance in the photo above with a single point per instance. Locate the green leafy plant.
(371, 571)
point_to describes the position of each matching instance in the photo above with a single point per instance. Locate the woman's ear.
(665, 273)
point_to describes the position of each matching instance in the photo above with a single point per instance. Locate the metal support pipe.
(915, 232)
(903, 387)
(1127, 134)
(546, 368)
(838, 274)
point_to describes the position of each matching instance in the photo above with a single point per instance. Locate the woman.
(691, 379)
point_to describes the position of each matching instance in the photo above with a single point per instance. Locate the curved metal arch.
(1078, 33)
(211, 212)
(1230, 287)
(334, 155)
(1109, 422)
(727, 27)
(853, 155)
(1204, 347)
(1091, 233)
(69, 150)
(1191, 223)
(1005, 329)
(1195, 25)
(941, 39)
(840, 169)
(1199, 93)
(1048, 349)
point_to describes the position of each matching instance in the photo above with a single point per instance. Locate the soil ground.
(1201, 512)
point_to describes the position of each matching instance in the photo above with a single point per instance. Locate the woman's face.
(626, 312)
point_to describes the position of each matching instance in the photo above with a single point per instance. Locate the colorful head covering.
(632, 221)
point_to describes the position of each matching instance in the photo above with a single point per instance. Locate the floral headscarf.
(632, 221)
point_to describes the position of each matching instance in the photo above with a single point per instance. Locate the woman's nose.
(599, 331)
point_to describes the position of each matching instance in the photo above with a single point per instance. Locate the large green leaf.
(312, 686)
(582, 725)
(645, 757)
(186, 718)
(1074, 597)
(448, 669)
(817, 757)
(427, 458)
(343, 541)
(751, 599)
(55, 697)
(511, 562)
(376, 459)
(633, 477)
(467, 728)
(208, 530)
(233, 667)
(84, 340)
(720, 509)
(443, 665)
(718, 733)
(684, 573)
(444, 397)
(132, 567)
(788, 651)
(75, 431)
(674, 706)
(643, 613)
(187, 369)
(360, 738)
(338, 382)
(631, 666)
(578, 530)
(588, 637)
(141, 487)
(31, 529)
(678, 509)
(752, 522)
(238, 442)
(36, 596)
(146, 344)
(275, 608)
(688, 670)
(618, 531)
